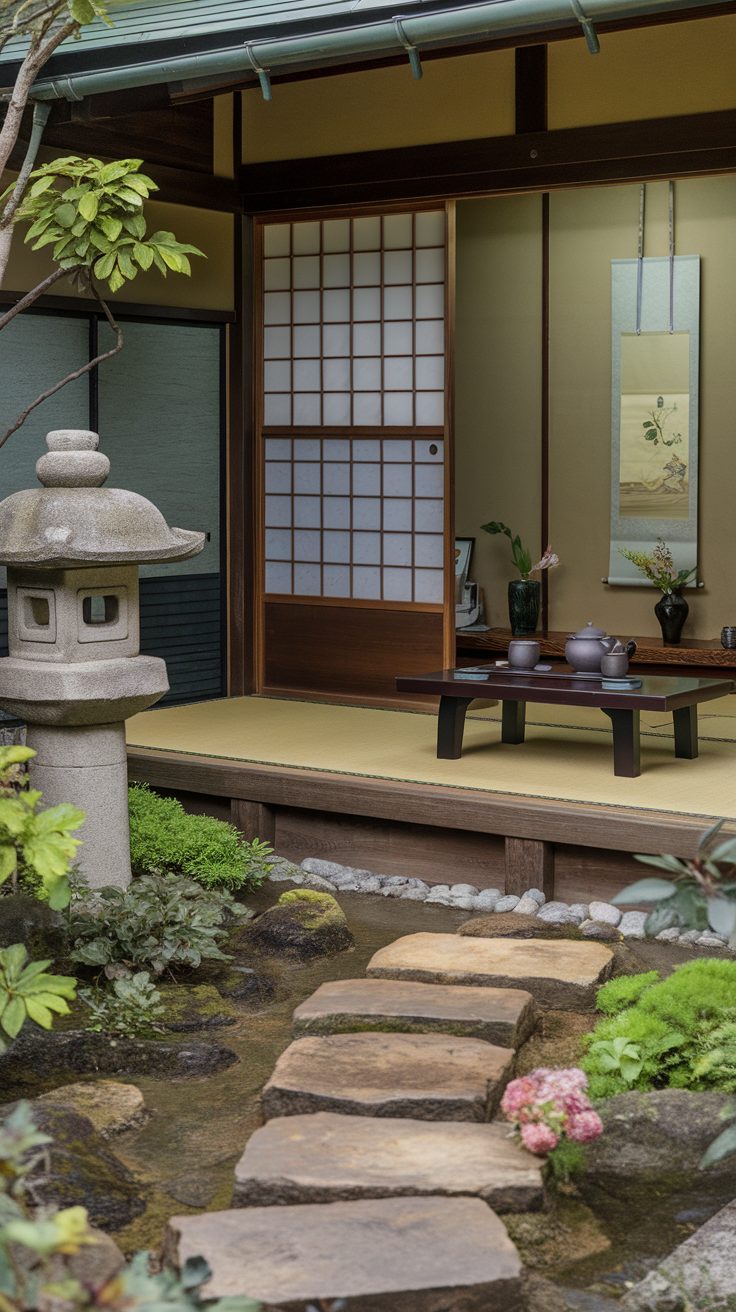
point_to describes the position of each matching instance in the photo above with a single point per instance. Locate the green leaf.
(135, 224)
(116, 280)
(119, 169)
(644, 890)
(88, 206)
(42, 185)
(13, 1017)
(66, 215)
(111, 227)
(126, 265)
(722, 915)
(103, 267)
(82, 11)
(39, 1013)
(13, 959)
(143, 255)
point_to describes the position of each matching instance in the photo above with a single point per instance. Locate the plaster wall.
(498, 438)
(209, 288)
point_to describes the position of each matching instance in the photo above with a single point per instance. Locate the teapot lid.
(590, 631)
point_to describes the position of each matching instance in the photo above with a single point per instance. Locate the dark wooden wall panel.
(347, 650)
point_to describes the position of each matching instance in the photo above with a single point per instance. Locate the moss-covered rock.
(82, 1170)
(303, 924)
(246, 984)
(195, 1007)
(110, 1106)
(25, 920)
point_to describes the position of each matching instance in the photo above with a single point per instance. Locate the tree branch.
(32, 296)
(78, 373)
(39, 51)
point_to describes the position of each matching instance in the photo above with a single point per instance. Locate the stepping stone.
(504, 1016)
(327, 1158)
(431, 1077)
(561, 976)
(392, 1255)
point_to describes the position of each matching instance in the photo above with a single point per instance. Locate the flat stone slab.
(327, 1158)
(702, 1269)
(503, 1016)
(431, 1077)
(561, 976)
(391, 1255)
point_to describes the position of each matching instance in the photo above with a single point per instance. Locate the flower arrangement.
(550, 1106)
(659, 567)
(521, 555)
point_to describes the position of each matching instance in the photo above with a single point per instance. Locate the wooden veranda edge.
(547, 820)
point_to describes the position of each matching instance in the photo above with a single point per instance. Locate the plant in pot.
(524, 591)
(671, 609)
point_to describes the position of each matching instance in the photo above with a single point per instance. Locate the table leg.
(626, 743)
(513, 722)
(450, 726)
(686, 732)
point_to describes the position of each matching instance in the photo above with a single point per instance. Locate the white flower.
(548, 561)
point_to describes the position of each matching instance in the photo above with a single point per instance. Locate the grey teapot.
(584, 649)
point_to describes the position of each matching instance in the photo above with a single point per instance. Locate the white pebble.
(526, 906)
(631, 924)
(605, 913)
(537, 894)
(507, 903)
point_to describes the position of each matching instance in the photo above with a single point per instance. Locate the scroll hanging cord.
(640, 259)
(671, 235)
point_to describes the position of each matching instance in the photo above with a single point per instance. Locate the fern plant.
(164, 837)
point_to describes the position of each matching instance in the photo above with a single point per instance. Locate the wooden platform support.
(253, 819)
(529, 864)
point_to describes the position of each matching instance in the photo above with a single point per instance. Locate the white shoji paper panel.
(363, 302)
(359, 518)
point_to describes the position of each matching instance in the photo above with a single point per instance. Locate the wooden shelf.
(694, 653)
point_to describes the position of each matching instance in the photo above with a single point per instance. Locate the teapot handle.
(630, 648)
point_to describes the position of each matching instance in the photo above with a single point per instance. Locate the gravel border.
(596, 920)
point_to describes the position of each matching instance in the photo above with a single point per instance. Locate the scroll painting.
(654, 476)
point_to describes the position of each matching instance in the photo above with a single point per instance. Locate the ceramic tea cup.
(615, 664)
(523, 653)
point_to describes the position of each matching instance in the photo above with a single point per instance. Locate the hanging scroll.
(655, 349)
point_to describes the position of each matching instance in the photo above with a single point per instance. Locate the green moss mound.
(682, 1031)
(165, 838)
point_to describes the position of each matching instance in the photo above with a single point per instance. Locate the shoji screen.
(353, 449)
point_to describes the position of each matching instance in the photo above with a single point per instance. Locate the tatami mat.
(569, 761)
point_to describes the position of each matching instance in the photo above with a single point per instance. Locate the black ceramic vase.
(671, 611)
(523, 606)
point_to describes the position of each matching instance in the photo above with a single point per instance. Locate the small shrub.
(28, 993)
(130, 1006)
(164, 837)
(37, 846)
(672, 1025)
(162, 922)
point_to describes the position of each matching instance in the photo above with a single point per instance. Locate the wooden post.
(529, 864)
(253, 819)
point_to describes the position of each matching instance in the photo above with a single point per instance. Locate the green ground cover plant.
(130, 1006)
(678, 1032)
(164, 837)
(161, 923)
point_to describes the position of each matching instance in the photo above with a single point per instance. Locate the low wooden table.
(663, 693)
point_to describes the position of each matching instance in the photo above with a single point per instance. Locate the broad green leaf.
(39, 1013)
(13, 959)
(111, 227)
(119, 169)
(88, 206)
(135, 224)
(103, 267)
(116, 280)
(644, 890)
(42, 184)
(722, 915)
(126, 265)
(15, 755)
(82, 11)
(139, 183)
(143, 255)
(172, 259)
(8, 861)
(13, 1017)
(66, 215)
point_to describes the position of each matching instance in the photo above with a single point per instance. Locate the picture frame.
(463, 558)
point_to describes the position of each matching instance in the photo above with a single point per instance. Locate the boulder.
(195, 1007)
(82, 1171)
(661, 1135)
(24, 919)
(37, 1058)
(246, 984)
(303, 924)
(700, 1273)
(110, 1106)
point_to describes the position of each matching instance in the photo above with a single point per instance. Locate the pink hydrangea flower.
(539, 1139)
(584, 1127)
(518, 1097)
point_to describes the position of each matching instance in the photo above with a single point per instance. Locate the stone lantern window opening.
(36, 615)
(102, 614)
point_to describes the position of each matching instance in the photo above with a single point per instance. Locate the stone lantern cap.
(73, 519)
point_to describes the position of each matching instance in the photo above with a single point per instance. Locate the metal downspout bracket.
(589, 32)
(417, 71)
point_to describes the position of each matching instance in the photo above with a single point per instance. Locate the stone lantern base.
(87, 767)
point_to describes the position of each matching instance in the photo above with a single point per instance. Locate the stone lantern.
(74, 672)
